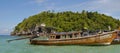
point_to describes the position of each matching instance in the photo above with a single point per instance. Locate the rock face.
(28, 32)
(37, 29)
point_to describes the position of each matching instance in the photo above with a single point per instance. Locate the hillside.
(68, 21)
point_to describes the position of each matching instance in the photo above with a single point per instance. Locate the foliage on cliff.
(68, 21)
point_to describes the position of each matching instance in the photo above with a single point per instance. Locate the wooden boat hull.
(105, 39)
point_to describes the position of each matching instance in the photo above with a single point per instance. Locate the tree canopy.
(68, 21)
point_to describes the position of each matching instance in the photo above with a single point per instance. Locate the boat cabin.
(71, 35)
(64, 35)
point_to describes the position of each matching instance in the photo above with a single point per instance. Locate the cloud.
(48, 5)
(39, 1)
(35, 2)
(109, 7)
(96, 5)
(5, 31)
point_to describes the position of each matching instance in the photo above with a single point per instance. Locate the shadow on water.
(116, 44)
(75, 45)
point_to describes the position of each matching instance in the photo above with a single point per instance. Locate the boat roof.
(64, 33)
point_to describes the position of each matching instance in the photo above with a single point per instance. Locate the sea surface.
(23, 46)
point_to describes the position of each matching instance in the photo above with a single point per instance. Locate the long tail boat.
(76, 38)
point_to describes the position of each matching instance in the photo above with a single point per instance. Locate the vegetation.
(68, 21)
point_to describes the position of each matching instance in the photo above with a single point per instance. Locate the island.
(66, 21)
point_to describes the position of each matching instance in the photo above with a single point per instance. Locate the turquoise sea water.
(23, 46)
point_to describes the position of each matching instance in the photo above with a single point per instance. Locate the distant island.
(67, 21)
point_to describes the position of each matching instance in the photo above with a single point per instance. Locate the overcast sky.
(13, 12)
